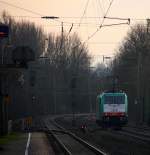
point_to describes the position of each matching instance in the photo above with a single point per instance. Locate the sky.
(86, 18)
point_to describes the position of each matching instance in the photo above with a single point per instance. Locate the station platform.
(35, 143)
(40, 145)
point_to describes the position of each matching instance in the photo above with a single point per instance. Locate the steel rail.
(139, 133)
(132, 135)
(135, 135)
(91, 147)
(61, 145)
(145, 128)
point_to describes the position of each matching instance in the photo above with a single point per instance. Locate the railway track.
(69, 143)
(134, 133)
(139, 133)
(128, 142)
(137, 136)
(140, 136)
(144, 130)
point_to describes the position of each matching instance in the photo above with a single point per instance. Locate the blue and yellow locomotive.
(112, 109)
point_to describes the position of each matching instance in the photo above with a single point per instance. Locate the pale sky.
(104, 42)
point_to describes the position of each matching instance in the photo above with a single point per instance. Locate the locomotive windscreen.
(114, 99)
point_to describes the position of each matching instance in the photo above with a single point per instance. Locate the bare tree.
(131, 66)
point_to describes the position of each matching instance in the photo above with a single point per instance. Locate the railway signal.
(4, 31)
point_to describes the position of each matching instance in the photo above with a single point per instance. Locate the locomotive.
(112, 109)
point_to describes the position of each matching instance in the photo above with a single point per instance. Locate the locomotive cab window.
(114, 99)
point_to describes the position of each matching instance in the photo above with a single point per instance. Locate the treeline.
(23, 33)
(131, 67)
(61, 67)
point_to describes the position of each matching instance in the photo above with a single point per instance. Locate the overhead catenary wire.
(90, 17)
(84, 12)
(97, 28)
(39, 15)
(100, 5)
(116, 18)
(81, 24)
(99, 10)
(101, 2)
(29, 11)
(91, 24)
(74, 23)
(93, 34)
(21, 8)
(127, 23)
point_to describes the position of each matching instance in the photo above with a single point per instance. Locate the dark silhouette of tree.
(131, 66)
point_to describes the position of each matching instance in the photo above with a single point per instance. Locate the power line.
(92, 25)
(93, 34)
(116, 24)
(116, 18)
(86, 6)
(98, 27)
(30, 11)
(18, 7)
(92, 17)
(95, 7)
(84, 25)
(101, 8)
(100, 5)
(39, 14)
(26, 17)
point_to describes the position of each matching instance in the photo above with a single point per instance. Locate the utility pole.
(62, 29)
(62, 36)
(89, 93)
(140, 71)
(4, 31)
(1, 109)
(3, 105)
(54, 92)
(139, 103)
(73, 88)
(73, 96)
(148, 25)
(89, 89)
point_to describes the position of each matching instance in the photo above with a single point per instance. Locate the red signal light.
(4, 31)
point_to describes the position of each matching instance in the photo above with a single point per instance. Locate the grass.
(8, 138)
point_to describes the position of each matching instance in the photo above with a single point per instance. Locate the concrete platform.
(39, 145)
(35, 144)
